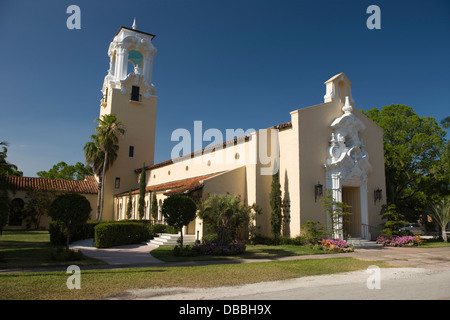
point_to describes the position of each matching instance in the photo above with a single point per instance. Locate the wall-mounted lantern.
(377, 195)
(318, 191)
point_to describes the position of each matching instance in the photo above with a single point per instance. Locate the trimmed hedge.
(110, 234)
(58, 235)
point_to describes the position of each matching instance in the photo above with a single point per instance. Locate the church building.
(328, 147)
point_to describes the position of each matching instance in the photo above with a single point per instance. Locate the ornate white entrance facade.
(347, 165)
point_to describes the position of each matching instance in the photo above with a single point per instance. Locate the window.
(117, 183)
(135, 96)
(131, 152)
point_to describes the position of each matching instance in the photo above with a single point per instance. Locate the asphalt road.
(392, 284)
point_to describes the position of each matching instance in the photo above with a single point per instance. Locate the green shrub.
(58, 235)
(109, 234)
(312, 233)
(212, 237)
(162, 228)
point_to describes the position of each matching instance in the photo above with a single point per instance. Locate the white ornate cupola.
(346, 151)
(131, 45)
(337, 88)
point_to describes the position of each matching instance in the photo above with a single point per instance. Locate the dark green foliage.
(178, 212)
(110, 234)
(129, 206)
(142, 182)
(154, 207)
(394, 220)
(312, 233)
(71, 210)
(275, 206)
(65, 171)
(58, 235)
(162, 228)
(415, 159)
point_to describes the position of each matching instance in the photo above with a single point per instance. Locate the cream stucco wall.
(45, 219)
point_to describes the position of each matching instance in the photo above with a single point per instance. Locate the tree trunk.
(103, 187)
(444, 234)
(223, 236)
(181, 238)
(68, 239)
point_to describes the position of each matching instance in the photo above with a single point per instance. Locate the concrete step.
(363, 243)
(167, 239)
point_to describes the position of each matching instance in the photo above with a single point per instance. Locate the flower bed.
(400, 241)
(337, 245)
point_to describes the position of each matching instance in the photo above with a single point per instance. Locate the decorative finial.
(347, 108)
(134, 24)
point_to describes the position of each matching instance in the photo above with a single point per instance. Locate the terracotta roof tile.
(88, 185)
(184, 186)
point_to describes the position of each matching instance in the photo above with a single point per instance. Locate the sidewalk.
(138, 255)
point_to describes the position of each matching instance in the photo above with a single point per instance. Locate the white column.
(364, 210)
(148, 66)
(121, 62)
(333, 183)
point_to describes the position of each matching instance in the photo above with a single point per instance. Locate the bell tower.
(128, 92)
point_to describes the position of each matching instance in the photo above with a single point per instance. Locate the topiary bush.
(110, 234)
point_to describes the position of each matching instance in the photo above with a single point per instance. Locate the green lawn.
(24, 249)
(32, 248)
(97, 284)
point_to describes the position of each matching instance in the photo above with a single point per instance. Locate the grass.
(252, 252)
(26, 249)
(98, 284)
(434, 244)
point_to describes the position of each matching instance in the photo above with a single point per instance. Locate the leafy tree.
(38, 205)
(394, 220)
(225, 215)
(142, 184)
(6, 168)
(337, 213)
(72, 210)
(68, 172)
(154, 206)
(179, 211)
(275, 206)
(440, 212)
(103, 148)
(413, 152)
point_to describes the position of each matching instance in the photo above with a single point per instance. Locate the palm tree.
(101, 152)
(108, 131)
(95, 157)
(440, 212)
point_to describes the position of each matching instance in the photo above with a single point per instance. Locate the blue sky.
(231, 64)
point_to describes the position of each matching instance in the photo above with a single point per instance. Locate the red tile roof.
(88, 185)
(184, 186)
